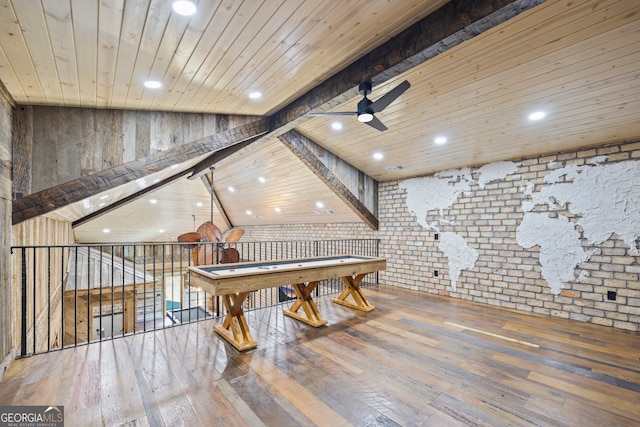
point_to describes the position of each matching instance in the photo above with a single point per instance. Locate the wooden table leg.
(303, 292)
(352, 287)
(234, 329)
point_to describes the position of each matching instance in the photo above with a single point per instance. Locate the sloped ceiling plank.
(128, 199)
(295, 142)
(198, 168)
(56, 197)
(449, 26)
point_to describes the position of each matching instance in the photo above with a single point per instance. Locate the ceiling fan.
(367, 107)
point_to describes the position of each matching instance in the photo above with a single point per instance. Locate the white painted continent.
(460, 255)
(427, 194)
(495, 171)
(607, 199)
(560, 247)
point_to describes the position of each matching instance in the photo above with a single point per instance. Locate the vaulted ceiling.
(476, 69)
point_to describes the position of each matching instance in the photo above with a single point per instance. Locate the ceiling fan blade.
(389, 97)
(335, 113)
(376, 124)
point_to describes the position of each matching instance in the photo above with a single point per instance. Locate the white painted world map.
(604, 200)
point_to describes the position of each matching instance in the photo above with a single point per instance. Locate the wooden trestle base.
(235, 329)
(352, 287)
(312, 315)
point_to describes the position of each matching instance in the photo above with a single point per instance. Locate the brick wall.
(309, 232)
(505, 274)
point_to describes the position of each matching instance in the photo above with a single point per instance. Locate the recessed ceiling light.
(336, 125)
(156, 180)
(255, 95)
(262, 180)
(152, 84)
(319, 205)
(199, 204)
(537, 115)
(231, 189)
(378, 155)
(153, 201)
(277, 209)
(161, 231)
(184, 7)
(106, 196)
(249, 213)
(440, 140)
(101, 204)
(106, 230)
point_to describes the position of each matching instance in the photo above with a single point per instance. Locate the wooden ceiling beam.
(295, 142)
(204, 166)
(78, 189)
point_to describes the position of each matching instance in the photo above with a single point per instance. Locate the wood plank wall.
(47, 270)
(54, 145)
(5, 238)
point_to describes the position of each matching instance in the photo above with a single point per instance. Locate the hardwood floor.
(416, 360)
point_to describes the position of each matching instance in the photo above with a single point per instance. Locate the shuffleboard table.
(233, 282)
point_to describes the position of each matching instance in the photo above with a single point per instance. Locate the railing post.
(377, 244)
(49, 299)
(23, 332)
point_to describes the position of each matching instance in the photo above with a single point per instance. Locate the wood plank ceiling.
(577, 61)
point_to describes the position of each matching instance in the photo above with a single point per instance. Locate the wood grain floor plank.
(116, 411)
(416, 360)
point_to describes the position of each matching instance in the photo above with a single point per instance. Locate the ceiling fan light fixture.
(365, 117)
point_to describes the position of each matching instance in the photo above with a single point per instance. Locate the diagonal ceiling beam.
(295, 142)
(205, 165)
(133, 197)
(209, 161)
(75, 190)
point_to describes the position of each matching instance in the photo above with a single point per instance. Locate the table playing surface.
(246, 268)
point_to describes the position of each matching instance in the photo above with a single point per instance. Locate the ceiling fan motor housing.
(364, 109)
(365, 88)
